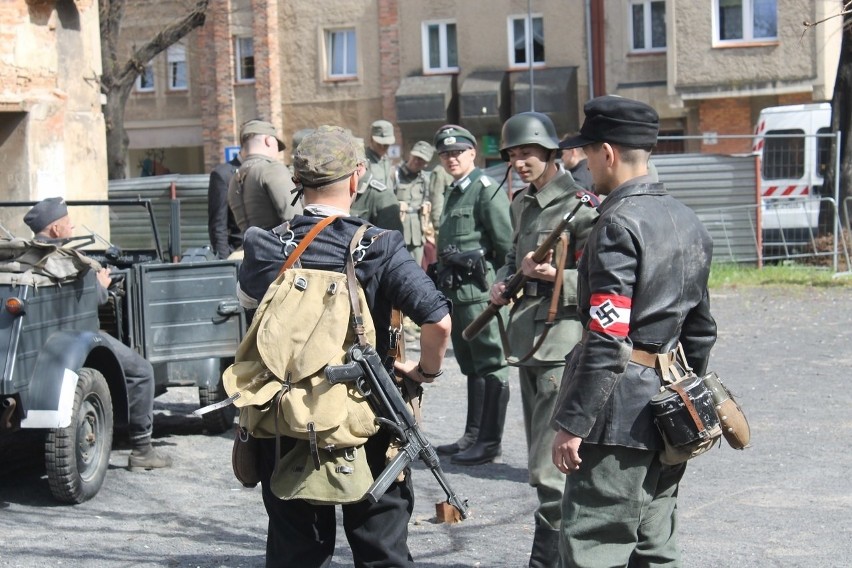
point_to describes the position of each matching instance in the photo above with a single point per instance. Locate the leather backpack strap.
(562, 253)
(306, 240)
(352, 285)
(687, 402)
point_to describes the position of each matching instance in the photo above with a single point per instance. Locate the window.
(176, 57)
(440, 51)
(340, 51)
(746, 20)
(648, 25)
(244, 59)
(784, 154)
(145, 80)
(519, 34)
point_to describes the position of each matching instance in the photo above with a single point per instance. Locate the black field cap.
(616, 120)
(45, 212)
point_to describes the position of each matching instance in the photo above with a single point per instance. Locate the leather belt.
(538, 288)
(648, 359)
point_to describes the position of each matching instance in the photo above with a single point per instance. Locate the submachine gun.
(374, 382)
(516, 283)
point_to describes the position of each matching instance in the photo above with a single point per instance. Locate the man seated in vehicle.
(50, 222)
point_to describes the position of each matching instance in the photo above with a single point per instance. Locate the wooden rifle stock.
(516, 283)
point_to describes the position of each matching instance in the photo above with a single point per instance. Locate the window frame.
(747, 9)
(176, 54)
(137, 84)
(238, 61)
(647, 26)
(528, 24)
(328, 35)
(443, 46)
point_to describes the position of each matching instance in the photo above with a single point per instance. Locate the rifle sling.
(561, 254)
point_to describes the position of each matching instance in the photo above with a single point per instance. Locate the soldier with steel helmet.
(473, 239)
(538, 340)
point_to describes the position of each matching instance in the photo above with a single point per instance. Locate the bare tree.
(119, 75)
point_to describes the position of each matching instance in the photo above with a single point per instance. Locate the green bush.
(726, 274)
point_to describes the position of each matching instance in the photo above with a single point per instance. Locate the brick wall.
(389, 57)
(726, 116)
(795, 99)
(267, 58)
(217, 79)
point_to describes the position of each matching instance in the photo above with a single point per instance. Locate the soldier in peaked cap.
(376, 199)
(641, 291)
(260, 192)
(328, 164)
(538, 335)
(475, 225)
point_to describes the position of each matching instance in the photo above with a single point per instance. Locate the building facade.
(708, 67)
(52, 136)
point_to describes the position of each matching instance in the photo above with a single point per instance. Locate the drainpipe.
(590, 71)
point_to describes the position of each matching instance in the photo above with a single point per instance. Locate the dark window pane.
(730, 19)
(658, 24)
(638, 26)
(823, 151)
(434, 46)
(452, 50)
(520, 41)
(538, 40)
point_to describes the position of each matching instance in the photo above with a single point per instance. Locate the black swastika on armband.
(606, 314)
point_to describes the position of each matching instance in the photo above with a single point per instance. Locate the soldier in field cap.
(641, 291)
(376, 199)
(328, 164)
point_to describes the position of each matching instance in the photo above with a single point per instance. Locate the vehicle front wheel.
(77, 457)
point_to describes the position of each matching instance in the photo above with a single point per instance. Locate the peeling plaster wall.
(50, 104)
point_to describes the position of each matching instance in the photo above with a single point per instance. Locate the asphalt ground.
(785, 502)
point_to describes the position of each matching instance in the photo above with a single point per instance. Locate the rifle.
(516, 283)
(373, 382)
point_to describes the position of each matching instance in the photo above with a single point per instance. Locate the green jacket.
(376, 201)
(476, 215)
(534, 215)
(260, 193)
(412, 191)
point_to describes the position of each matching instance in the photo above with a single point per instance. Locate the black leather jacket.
(642, 283)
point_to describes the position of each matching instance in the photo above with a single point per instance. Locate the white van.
(793, 163)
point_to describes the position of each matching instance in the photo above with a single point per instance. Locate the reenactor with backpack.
(328, 164)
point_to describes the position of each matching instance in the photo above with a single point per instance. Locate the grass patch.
(785, 275)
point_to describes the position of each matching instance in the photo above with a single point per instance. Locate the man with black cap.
(50, 222)
(375, 200)
(642, 290)
(328, 164)
(412, 192)
(543, 323)
(261, 192)
(473, 239)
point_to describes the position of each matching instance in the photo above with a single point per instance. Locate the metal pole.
(589, 55)
(836, 196)
(530, 53)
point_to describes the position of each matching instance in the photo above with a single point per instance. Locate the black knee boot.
(545, 548)
(475, 394)
(487, 447)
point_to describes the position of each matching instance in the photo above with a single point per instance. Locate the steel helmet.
(528, 128)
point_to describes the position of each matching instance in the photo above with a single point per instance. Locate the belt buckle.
(531, 288)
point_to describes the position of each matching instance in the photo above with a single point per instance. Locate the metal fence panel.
(722, 191)
(190, 189)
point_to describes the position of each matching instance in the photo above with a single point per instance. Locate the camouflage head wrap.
(326, 155)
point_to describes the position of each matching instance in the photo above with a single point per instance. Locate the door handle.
(228, 308)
